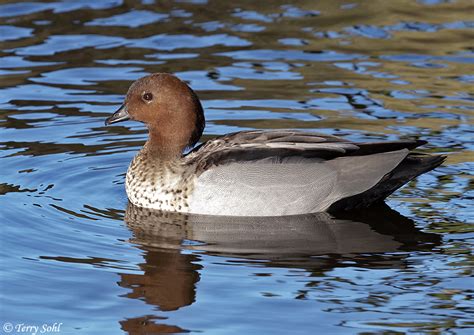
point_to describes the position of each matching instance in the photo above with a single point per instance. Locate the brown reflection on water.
(168, 281)
(149, 324)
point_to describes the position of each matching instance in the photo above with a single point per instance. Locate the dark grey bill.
(120, 115)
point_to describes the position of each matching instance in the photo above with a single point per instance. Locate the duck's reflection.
(376, 231)
(314, 242)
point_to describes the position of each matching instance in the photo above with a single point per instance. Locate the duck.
(254, 172)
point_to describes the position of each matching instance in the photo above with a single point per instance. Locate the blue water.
(75, 256)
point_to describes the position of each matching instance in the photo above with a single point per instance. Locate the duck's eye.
(147, 96)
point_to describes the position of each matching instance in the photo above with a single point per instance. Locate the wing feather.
(255, 145)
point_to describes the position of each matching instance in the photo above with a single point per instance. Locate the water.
(72, 254)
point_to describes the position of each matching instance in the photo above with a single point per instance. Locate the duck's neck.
(164, 147)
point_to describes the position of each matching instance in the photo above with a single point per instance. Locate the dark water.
(365, 70)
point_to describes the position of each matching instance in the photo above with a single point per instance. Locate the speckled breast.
(164, 186)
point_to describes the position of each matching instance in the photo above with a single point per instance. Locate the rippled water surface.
(73, 253)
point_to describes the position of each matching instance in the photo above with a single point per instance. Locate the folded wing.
(265, 173)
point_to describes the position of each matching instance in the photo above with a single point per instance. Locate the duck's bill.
(120, 115)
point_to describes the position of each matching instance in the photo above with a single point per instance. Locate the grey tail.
(411, 167)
